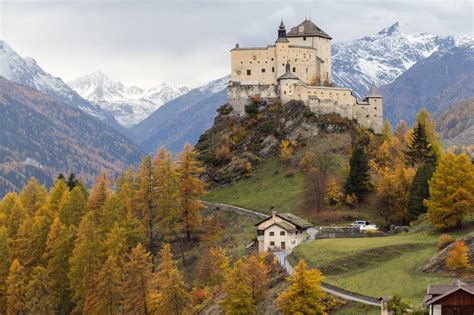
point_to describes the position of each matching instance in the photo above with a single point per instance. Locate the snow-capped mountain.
(26, 71)
(384, 56)
(129, 104)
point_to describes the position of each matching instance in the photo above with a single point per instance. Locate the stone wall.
(239, 95)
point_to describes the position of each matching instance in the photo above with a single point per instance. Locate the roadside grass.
(377, 266)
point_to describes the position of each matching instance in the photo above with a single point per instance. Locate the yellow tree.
(451, 191)
(256, 272)
(39, 298)
(73, 207)
(85, 260)
(4, 267)
(55, 196)
(287, 149)
(145, 199)
(304, 295)
(126, 189)
(16, 289)
(136, 285)
(99, 194)
(14, 219)
(59, 247)
(212, 268)
(170, 295)
(33, 196)
(190, 188)
(238, 296)
(333, 195)
(458, 258)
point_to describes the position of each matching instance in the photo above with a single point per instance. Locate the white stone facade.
(298, 67)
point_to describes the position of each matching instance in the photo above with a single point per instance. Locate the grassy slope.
(378, 266)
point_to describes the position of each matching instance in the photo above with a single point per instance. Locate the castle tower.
(281, 30)
(374, 98)
(282, 46)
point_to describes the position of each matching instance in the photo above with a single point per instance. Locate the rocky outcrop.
(437, 263)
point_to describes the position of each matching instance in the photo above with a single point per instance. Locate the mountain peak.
(395, 29)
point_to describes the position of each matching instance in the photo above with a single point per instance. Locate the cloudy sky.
(187, 42)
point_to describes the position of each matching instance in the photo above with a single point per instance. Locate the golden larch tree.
(145, 199)
(39, 298)
(16, 289)
(458, 258)
(238, 295)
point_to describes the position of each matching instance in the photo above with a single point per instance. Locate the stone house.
(281, 232)
(456, 298)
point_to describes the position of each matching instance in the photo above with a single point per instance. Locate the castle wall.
(239, 95)
(261, 62)
(323, 51)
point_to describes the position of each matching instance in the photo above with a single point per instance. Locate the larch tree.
(170, 292)
(73, 207)
(358, 180)
(4, 268)
(126, 188)
(419, 190)
(304, 295)
(98, 196)
(451, 191)
(15, 218)
(56, 196)
(145, 199)
(458, 258)
(85, 260)
(256, 272)
(136, 285)
(33, 196)
(401, 131)
(190, 188)
(212, 267)
(386, 130)
(59, 247)
(238, 295)
(16, 289)
(39, 298)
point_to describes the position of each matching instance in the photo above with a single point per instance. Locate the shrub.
(308, 113)
(223, 153)
(458, 258)
(251, 109)
(444, 240)
(267, 127)
(351, 200)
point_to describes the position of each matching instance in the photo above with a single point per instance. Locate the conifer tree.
(238, 296)
(419, 148)
(16, 289)
(99, 194)
(39, 299)
(451, 191)
(424, 118)
(59, 247)
(386, 130)
(304, 295)
(72, 181)
(358, 180)
(419, 190)
(136, 286)
(126, 189)
(114, 210)
(171, 296)
(6, 205)
(73, 207)
(33, 196)
(256, 276)
(107, 293)
(4, 268)
(56, 196)
(145, 198)
(212, 267)
(401, 131)
(190, 187)
(15, 218)
(85, 260)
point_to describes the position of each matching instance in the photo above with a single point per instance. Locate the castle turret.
(282, 31)
(374, 98)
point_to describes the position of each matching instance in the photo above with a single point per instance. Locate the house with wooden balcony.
(456, 298)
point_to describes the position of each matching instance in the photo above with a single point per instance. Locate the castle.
(298, 67)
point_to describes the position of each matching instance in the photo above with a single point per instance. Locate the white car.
(364, 226)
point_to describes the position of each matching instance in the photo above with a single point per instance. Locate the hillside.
(456, 122)
(434, 83)
(41, 137)
(182, 119)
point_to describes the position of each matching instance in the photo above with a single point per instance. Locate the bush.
(444, 240)
(252, 108)
(267, 127)
(458, 258)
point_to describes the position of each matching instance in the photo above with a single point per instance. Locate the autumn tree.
(386, 130)
(238, 296)
(304, 295)
(15, 216)
(170, 295)
(333, 195)
(358, 180)
(4, 267)
(73, 207)
(256, 273)
(39, 298)
(145, 198)
(287, 149)
(212, 267)
(424, 118)
(419, 190)
(458, 258)
(33, 196)
(136, 285)
(16, 289)
(59, 247)
(451, 191)
(56, 196)
(190, 188)
(85, 260)
(98, 196)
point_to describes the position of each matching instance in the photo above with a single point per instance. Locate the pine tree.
(419, 149)
(190, 187)
(451, 191)
(423, 117)
(72, 181)
(39, 298)
(419, 190)
(304, 295)
(59, 247)
(16, 289)
(171, 296)
(33, 196)
(238, 296)
(358, 180)
(107, 293)
(85, 260)
(4, 268)
(73, 207)
(137, 282)
(145, 198)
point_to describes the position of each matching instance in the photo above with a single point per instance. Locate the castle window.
(272, 59)
(241, 62)
(367, 116)
(249, 72)
(282, 233)
(294, 69)
(304, 37)
(284, 92)
(306, 70)
(263, 70)
(258, 61)
(283, 64)
(375, 108)
(273, 69)
(250, 62)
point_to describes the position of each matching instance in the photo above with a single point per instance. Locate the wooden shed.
(456, 298)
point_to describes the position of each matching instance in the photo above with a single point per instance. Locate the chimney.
(273, 212)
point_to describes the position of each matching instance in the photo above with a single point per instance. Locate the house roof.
(285, 225)
(290, 217)
(307, 28)
(436, 292)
